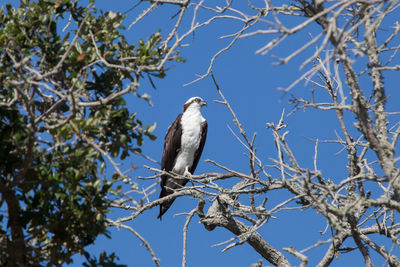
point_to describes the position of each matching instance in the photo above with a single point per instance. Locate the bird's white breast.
(190, 140)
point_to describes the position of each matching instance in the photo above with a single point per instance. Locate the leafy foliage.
(104, 261)
(64, 69)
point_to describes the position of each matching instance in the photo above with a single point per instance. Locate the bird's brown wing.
(172, 144)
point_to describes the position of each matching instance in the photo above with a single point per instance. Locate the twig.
(185, 229)
(145, 243)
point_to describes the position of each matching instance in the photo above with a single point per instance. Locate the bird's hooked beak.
(203, 103)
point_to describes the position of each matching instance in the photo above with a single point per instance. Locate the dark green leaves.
(65, 69)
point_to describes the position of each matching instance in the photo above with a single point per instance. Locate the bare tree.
(347, 55)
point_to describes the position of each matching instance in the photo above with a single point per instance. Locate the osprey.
(183, 145)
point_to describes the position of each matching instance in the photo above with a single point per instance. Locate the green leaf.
(152, 127)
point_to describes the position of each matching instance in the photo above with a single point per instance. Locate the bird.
(183, 145)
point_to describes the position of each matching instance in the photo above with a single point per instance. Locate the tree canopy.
(64, 69)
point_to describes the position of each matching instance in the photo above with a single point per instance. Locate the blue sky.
(250, 83)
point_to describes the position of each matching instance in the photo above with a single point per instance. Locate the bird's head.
(194, 101)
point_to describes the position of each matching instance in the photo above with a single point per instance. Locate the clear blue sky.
(250, 83)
